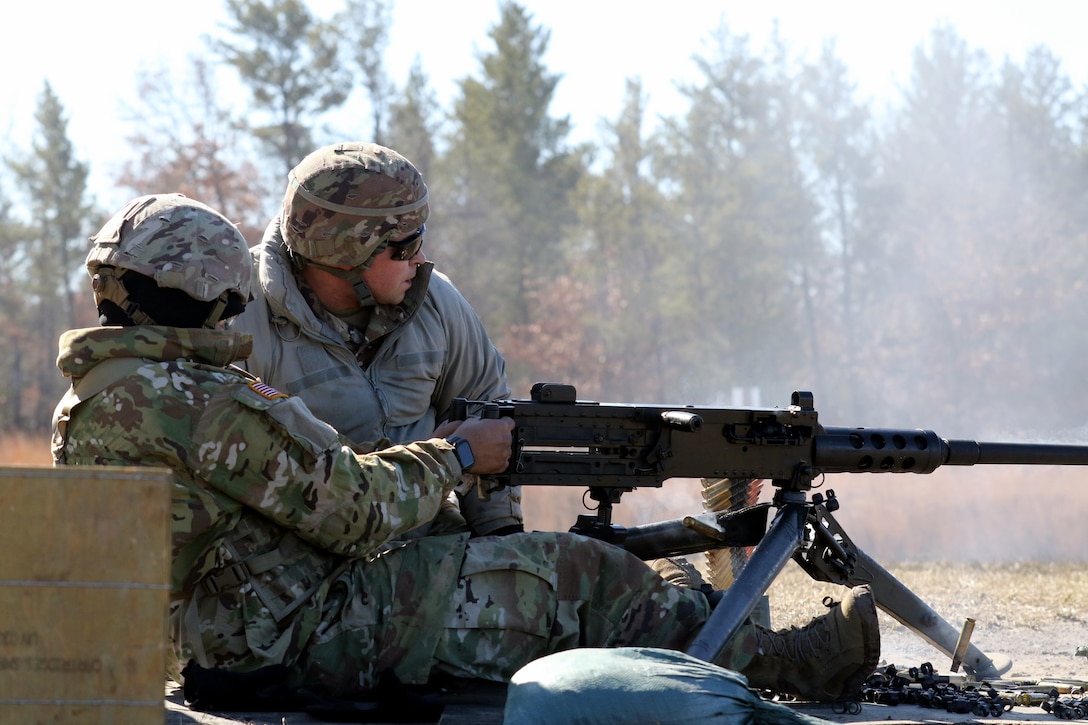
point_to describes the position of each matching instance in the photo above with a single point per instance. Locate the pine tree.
(838, 139)
(413, 126)
(13, 317)
(744, 221)
(1036, 241)
(505, 179)
(621, 253)
(50, 253)
(365, 28)
(290, 61)
(944, 160)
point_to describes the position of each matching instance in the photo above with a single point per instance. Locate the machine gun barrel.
(877, 450)
(969, 453)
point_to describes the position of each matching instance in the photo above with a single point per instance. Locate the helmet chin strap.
(216, 313)
(354, 276)
(362, 291)
(107, 286)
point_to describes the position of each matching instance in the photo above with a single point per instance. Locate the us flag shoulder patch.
(265, 390)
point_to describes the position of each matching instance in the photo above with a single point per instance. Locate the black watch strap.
(463, 451)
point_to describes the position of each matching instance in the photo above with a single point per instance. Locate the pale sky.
(90, 51)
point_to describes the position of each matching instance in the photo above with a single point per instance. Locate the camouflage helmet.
(177, 242)
(345, 202)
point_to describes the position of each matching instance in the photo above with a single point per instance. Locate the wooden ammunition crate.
(84, 566)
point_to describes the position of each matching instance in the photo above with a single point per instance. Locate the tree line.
(915, 264)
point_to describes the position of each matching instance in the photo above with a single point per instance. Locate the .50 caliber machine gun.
(614, 448)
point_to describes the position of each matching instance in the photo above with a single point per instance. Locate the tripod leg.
(907, 608)
(777, 547)
(833, 557)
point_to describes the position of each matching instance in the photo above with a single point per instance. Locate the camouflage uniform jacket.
(270, 505)
(432, 351)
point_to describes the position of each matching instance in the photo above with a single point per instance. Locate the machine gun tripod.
(805, 531)
(612, 449)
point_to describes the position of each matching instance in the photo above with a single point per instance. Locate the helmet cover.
(345, 202)
(180, 243)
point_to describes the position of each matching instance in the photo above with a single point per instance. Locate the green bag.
(637, 686)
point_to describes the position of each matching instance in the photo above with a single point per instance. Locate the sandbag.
(637, 686)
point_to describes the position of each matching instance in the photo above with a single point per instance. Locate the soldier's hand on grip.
(491, 440)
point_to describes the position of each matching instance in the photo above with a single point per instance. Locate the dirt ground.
(1037, 614)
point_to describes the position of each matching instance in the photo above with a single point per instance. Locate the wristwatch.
(463, 451)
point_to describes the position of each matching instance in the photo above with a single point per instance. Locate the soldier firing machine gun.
(614, 448)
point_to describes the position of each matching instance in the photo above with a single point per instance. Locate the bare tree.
(188, 142)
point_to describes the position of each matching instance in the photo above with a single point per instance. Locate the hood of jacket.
(82, 349)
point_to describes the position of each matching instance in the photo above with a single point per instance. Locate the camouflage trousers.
(516, 599)
(564, 591)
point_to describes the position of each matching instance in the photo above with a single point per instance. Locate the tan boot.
(828, 659)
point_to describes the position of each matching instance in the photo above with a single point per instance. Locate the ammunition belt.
(1067, 708)
(924, 687)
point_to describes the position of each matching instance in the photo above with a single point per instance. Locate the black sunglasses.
(405, 249)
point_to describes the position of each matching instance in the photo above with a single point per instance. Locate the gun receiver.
(562, 441)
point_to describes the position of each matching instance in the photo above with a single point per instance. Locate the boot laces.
(800, 643)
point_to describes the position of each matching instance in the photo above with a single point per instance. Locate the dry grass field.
(1036, 613)
(23, 449)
